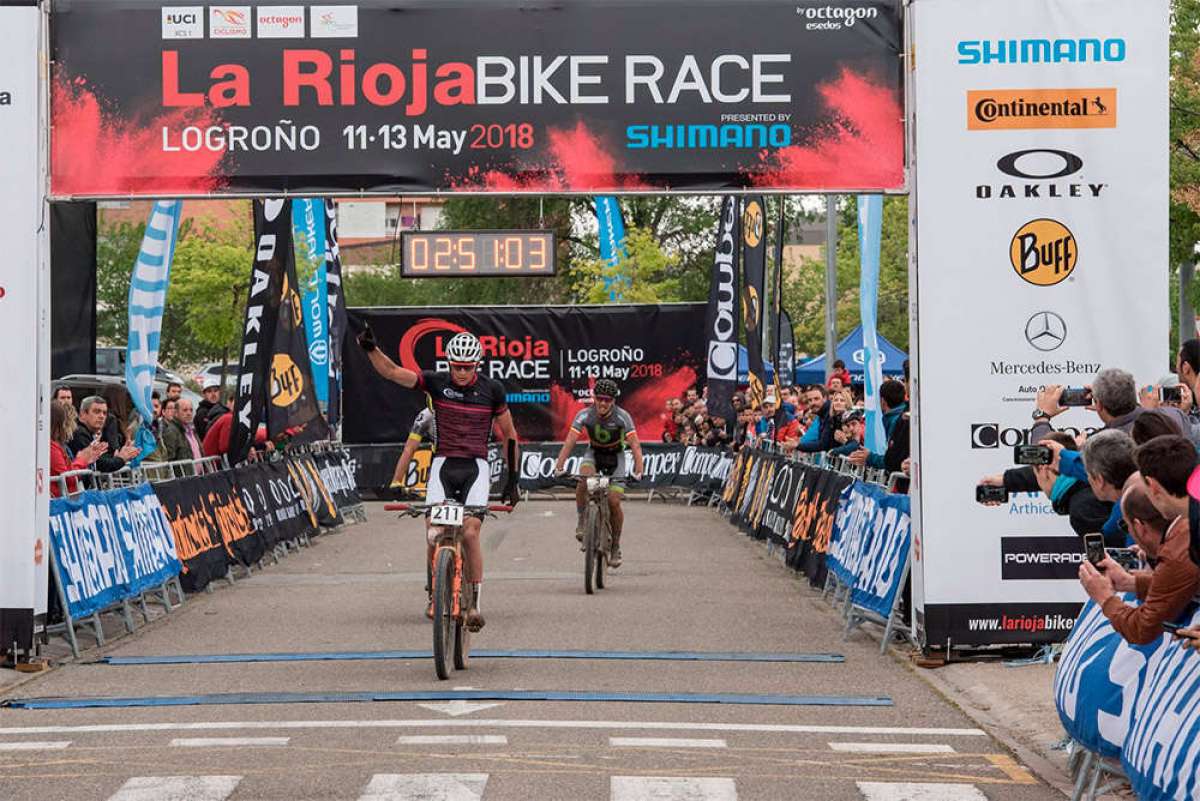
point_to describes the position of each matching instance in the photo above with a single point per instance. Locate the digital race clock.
(455, 254)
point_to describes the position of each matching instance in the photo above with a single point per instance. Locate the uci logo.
(1043, 252)
(752, 224)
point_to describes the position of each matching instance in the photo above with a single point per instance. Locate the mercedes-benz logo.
(1045, 331)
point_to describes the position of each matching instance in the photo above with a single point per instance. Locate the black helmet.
(606, 386)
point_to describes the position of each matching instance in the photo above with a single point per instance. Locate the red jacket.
(60, 465)
(216, 438)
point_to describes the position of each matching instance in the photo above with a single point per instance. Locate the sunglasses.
(463, 368)
(603, 399)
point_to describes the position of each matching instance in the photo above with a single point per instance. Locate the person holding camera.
(1068, 495)
(1164, 590)
(1113, 396)
(1165, 464)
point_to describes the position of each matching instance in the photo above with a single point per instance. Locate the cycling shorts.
(610, 463)
(458, 478)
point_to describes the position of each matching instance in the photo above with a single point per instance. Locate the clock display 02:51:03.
(464, 253)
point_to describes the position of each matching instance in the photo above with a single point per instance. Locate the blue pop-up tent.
(850, 351)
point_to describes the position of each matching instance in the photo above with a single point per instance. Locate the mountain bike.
(452, 595)
(597, 532)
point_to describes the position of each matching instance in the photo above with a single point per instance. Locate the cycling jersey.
(462, 415)
(424, 427)
(604, 433)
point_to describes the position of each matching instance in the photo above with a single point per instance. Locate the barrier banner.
(337, 472)
(411, 97)
(211, 525)
(275, 505)
(547, 357)
(1139, 703)
(781, 497)
(704, 469)
(307, 476)
(812, 522)
(883, 545)
(1055, 112)
(109, 546)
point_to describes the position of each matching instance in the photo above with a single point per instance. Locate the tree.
(1185, 146)
(644, 272)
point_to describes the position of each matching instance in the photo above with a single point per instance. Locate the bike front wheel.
(443, 612)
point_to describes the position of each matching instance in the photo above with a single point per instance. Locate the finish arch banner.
(1029, 270)
(410, 96)
(547, 357)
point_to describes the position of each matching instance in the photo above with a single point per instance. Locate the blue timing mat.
(320, 656)
(219, 699)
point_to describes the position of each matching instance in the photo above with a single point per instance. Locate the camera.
(1170, 394)
(1032, 454)
(1093, 546)
(986, 493)
(899, 484)
(1076, 396)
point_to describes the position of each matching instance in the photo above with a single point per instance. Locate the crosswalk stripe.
(35, 746)
(669, 788)
(453, 739)
(227, 742)
(918, 791)
(425, 787)
(893, 748)
(663, 742)
(177, 788)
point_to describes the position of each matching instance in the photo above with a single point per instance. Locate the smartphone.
(1032, 454)
(899, 484)
(1170, 394)
(1075, 396)
(1093, 546)
(1125, 557)
(985, 493)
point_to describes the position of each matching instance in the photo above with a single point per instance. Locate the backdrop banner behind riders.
(404, 96)
(547, 357)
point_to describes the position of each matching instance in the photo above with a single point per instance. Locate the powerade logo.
(1040, 51)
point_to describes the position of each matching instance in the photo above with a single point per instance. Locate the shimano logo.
(1041, 51)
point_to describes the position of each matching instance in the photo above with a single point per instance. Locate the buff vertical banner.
(337, 311)
(754, 276)
(292, 408)
(407, 96)
(1034, 204)
(721, 319)
(273, 247)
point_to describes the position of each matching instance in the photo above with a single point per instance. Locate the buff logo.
(722, 342)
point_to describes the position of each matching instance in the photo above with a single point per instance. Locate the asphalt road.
(689, 583)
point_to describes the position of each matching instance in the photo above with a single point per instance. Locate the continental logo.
(1043, 252)
(1027, 109)
(752, 224)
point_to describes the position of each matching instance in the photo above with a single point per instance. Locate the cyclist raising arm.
(464, 404)
(609, 429)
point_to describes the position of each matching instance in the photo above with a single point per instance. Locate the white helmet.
(464, 348)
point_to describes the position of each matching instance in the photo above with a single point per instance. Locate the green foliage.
(1185, 143)
(804, 288)
(643, 274)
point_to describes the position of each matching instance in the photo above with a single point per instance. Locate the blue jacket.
(889, 425)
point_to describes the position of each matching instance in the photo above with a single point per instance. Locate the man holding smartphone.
(1167, 588)
(1114, 399)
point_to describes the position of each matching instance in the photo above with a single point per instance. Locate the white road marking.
(618, 725)
(224, 742)
(917, 791)
(176, 788)
(458, 707)
(667, 788)
(35, 746)
(425, 787)
(663, 742)
(453, 739)
(893, 748)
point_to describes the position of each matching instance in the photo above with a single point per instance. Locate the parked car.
(213, 370)
(83, 385)
(111, 361)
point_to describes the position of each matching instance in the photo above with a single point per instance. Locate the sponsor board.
(1033, 109)
(229, 22)
(1040, 173)
(1040, 558)
(1043, 252)
(183, 22)
(333, 22)
(280, 22)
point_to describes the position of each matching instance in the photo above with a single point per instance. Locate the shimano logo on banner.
(722, 337)
(1040, 51)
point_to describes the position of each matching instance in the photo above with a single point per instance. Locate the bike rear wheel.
(443, 609)
(591, 533)
(603, 541)
(462, 635)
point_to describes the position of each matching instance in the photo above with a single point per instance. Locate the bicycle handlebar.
(418, 508)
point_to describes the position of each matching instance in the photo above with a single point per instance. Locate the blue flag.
(612, 243)
(147, 299)
(308, 224)
(870, 232)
